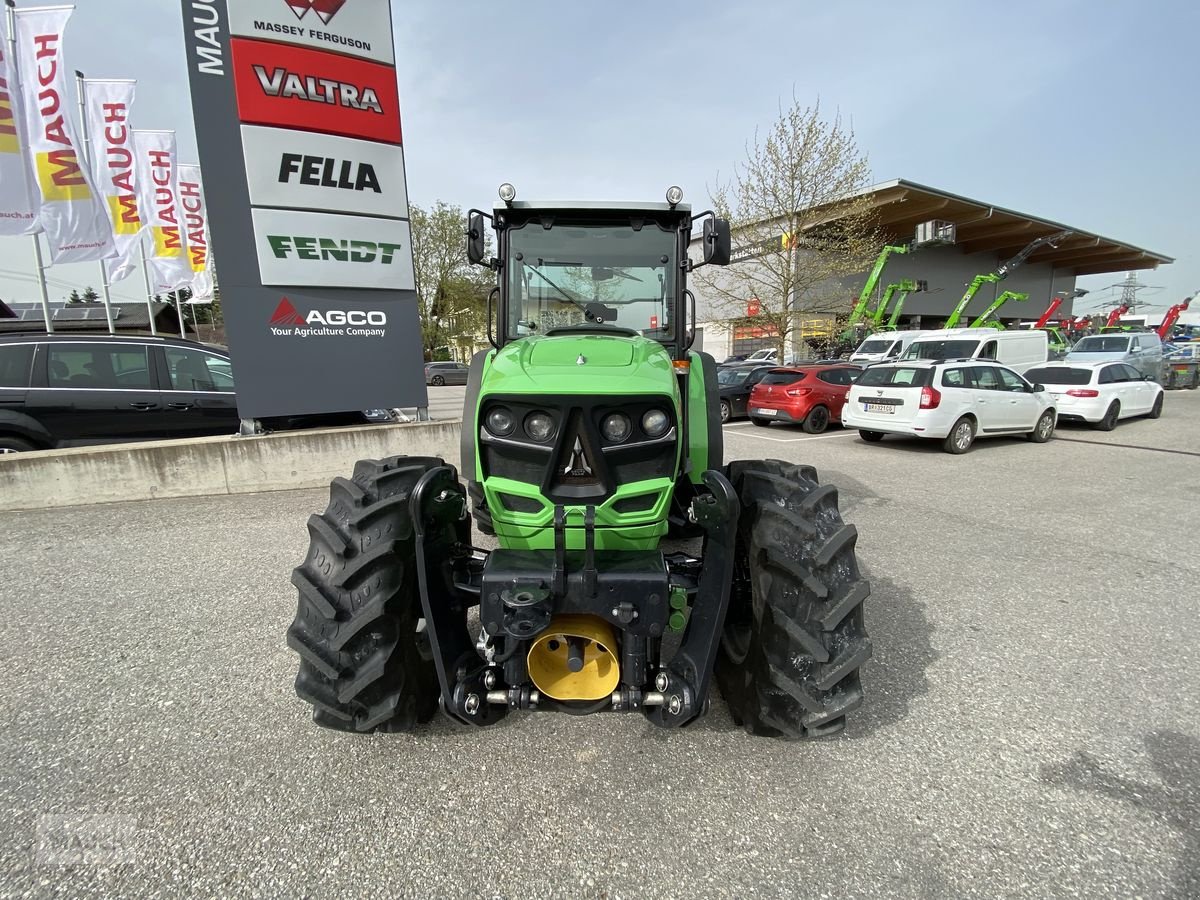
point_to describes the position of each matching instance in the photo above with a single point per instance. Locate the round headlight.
(500, 422)
(674, 195)
(616, 427)
(539, 426)
(508, 193)
(655, 423)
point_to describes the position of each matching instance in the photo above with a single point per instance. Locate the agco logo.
(287, 321)
(325, 9)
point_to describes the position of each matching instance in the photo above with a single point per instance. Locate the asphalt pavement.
(1031, 727)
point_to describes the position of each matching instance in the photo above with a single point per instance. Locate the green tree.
(74, 297)
(451, 293)
(90, 295)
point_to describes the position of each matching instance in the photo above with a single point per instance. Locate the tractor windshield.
(592, 275)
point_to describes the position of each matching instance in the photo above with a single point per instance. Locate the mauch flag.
(195, 222)
(68, 208)
(107, 105)
(154, 151)
(17, 215)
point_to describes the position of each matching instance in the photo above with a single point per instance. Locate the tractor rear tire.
(794, 636)
(364, 665)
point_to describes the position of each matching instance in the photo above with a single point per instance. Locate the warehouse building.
(985, 236)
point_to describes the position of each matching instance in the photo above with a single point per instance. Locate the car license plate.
(763, 412)
(879, 408)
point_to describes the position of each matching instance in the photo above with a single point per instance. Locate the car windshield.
(874, 347)
(592, 275)
(1102, 344)
(877, 376)
(1059, 375)
(732, 376)
(782, 377)
(948, 349)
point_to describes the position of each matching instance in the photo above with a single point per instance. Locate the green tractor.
(590, 439)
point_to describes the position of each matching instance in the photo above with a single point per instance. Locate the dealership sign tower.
(298, 124)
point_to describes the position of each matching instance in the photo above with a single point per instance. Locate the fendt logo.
(325, 9)
(333, 249)
(287, 321)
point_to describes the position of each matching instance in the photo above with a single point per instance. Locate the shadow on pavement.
(1175, 801)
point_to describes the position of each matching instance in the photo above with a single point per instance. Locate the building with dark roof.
(89, 318)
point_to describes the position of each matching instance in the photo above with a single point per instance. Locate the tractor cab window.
(594, 276)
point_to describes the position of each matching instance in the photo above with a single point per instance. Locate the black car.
(70, 390)
(735, 384)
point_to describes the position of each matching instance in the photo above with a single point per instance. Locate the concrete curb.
(208, 466)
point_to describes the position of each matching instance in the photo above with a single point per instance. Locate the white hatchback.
(1099, 393)
(953, 401)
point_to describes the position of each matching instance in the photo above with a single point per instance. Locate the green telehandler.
(590, 434)
(1000, 274)
(985, 320)
(902, 288)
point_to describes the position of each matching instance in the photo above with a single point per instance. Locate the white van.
(1019, 350)
(884, 345)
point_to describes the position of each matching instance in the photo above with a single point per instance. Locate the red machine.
(1168, 322)
(1114, 317)
(1049, 313)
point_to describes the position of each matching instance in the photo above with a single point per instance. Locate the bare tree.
(800, 224)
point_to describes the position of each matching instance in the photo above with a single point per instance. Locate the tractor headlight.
(655, 423)
(539, 426)
(616, 427)
(500, 422)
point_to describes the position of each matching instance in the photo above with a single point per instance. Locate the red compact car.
(811, 396)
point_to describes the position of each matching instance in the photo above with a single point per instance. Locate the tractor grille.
(577, 464)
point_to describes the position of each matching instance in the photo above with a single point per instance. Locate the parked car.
(883, 345)
(1019, 350)
(734, 384)
(67, 390)
(955, 402)
(1140, 349)
(811, 396)
(439, 373)
(1099, 393)
(766, 355)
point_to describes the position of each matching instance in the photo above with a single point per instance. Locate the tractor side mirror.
(718, 242)
(476, 246)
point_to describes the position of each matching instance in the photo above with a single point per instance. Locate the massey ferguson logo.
(325, 9)
(281, 83)
(287, 321)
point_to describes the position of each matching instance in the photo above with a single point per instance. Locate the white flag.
(68, 208)
(107, 105)
(159, 205)
(17, 215)
(195, 220)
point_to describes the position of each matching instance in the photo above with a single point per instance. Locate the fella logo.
(287, 321)
(325, 9)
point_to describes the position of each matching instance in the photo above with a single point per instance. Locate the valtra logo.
(287, 321)
(325, 9)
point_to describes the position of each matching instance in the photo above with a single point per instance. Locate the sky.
(1081, 112)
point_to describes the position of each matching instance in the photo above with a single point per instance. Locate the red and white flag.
(195, 221)
(17, 215)
(65, 199)
(156, 165)
(107, 105)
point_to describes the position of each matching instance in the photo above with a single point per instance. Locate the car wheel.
(437, 380)
(1044, 428)
(14, 445)
(816, 421)
(961, 436)
(1109, 422)
(871, 437)
(761, 423)
(1156, 409)
(726, 412)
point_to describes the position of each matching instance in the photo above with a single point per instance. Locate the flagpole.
(146, 276)
(179, 312)
(87, 161)
(10, 14)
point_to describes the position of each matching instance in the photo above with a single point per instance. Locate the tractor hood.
(582, 364)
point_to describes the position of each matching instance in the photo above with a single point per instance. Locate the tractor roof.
(531, 206)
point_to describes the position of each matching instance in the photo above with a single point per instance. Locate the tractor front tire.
(794, 635)
(364, 664)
